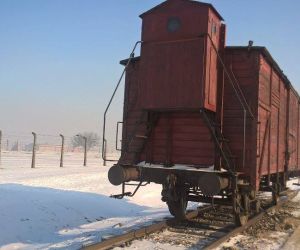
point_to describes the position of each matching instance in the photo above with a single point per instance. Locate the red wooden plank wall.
(180, 138)
(243, 66)
(272, 107)
(293, 135)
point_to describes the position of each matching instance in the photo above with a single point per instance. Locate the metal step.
(141, 136)
(134, 152)
(223, 139)
(232, 156)
(216, 125)
(219, 139)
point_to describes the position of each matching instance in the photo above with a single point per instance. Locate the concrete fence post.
(33, 150)
(62, 151)
(85, 151)
(85, 148)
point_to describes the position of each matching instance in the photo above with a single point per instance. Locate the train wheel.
(275, 198)
(241, 209)
(178, 208)
(257, 206)
(275, 194)
(241, 219)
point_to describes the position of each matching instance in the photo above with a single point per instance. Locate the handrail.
(240, 95)
(117, 136)
(110, 101)
(238, 92)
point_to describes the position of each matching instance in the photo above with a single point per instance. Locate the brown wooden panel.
(264, 120)
(174, 142)
(282, 126)
(274, 139)
(244, 66)
(172, 75)
(293, 130)
(265, 82)
(275, 83)
(192, 137)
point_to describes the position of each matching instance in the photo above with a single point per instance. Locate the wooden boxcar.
(210, 123)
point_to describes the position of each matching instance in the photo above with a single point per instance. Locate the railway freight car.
(210, 123)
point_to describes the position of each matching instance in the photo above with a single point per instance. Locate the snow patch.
(66, 208)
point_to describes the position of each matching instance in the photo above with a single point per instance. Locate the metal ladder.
(147, 119)
(221, 142)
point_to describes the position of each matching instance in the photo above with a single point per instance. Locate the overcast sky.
(59, 58)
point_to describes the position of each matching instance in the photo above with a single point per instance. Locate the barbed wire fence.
(37, 150)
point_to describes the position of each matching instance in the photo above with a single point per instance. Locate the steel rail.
(251, 222)
(139, 233)
(156, 227)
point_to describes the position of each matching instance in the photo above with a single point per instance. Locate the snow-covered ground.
(66, 208)
(50, 207)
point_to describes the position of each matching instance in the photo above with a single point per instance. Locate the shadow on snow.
(56, 218)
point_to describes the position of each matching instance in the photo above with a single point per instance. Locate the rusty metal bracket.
(129, 194)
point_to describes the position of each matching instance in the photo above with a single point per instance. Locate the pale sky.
(59, 59)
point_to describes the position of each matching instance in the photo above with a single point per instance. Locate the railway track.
(206, 228)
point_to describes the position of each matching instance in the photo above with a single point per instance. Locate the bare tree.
(15, 147)
(92, 140)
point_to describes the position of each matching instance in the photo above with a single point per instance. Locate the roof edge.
(271, 60)
(189, 1)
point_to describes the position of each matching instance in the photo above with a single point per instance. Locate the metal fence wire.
(46, 151)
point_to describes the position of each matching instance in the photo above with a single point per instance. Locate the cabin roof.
(195, 3)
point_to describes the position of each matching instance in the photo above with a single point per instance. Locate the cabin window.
(213, 29)
(174, 24)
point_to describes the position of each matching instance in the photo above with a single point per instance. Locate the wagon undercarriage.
(181, 184)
